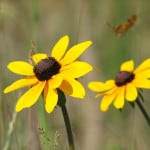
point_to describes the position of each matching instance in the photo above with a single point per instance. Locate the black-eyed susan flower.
(125, 86)
(49, 73)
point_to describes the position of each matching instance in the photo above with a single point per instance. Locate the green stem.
(61, 103)
(68, 128)
(143, 111)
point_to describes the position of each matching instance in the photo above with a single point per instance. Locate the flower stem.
(61, 103)
(68, 128)
(143, 111)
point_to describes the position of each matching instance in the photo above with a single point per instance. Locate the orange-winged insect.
(124, 26)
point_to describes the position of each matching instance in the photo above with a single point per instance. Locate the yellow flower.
(125, 85)
(60, 70)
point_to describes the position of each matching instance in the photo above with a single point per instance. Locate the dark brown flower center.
(124, 77)
(46, 68)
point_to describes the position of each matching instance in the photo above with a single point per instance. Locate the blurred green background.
(45, 22)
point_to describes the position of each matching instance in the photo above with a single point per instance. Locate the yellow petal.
(76, 69)
(21, 68)
(143, 66)
(106, 101)
(21, 84)
(101, 86)
(59, 49)
(141, 83)
(131, 92)
(55, 81)
(30, 97)
(51, 99)
(127, 66)
(110, 83)
(74, 52)
(97, 86)
(143, 74)
(120, 98)
(73, 88)
(66, 87)
(38, 57)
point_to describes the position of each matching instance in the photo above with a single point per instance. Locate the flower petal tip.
(6, 90)
(49, 111)
(66, 36)
(18, 109)
(103, 109)
(82, 97)
(89, 43)
(92, 68)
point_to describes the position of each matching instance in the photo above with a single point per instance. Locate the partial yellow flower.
(124, 87)
(60, 70)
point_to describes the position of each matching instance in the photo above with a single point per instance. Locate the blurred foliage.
(45, 22)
